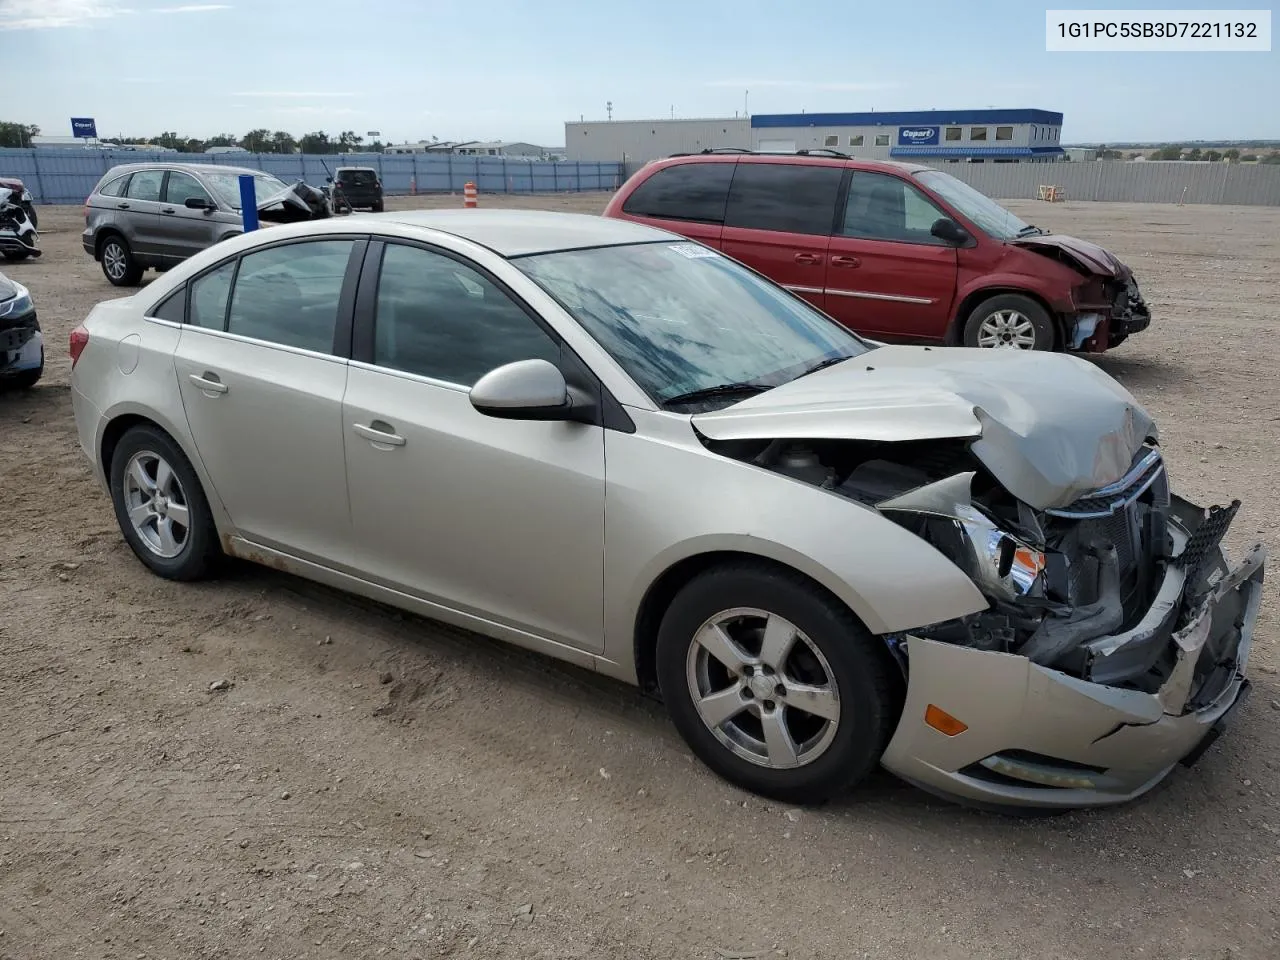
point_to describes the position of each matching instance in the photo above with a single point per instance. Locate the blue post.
(248, 202)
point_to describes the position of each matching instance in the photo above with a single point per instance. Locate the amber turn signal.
(943, 722)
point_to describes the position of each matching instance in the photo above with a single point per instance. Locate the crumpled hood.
(1091, 257)
(1050, 427)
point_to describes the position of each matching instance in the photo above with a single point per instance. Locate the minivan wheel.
(774, 684)
(1009, 321)
(161, 507)
(119, 264)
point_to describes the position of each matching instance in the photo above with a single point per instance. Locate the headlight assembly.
(18, 304)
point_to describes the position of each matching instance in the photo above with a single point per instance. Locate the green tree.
(257, 141)
(317, 142)
(1233, 154)
(1213, 156)
(1249, 158)
(349, 141)
(283, 142)
(17, 134)
(1171, 152)
(1195, 154)
(221, 140)
(1271, 158)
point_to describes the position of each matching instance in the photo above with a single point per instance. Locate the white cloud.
(294, 94)
(801, 84)
(315, 111)
(194, 8)
(50, 14)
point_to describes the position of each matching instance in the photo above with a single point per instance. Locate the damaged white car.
(601, 441)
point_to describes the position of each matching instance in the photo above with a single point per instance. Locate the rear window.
(686, 191)
(358, 178)
(787, 197)
(114, 188)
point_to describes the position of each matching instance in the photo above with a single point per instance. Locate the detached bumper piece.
(1146, 699)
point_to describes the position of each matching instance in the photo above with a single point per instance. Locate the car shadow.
(1147, 373)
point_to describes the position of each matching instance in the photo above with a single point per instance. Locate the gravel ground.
(376, 785)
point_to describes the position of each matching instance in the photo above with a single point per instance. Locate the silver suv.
(144, 215)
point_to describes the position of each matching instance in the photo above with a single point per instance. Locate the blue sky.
(504, 69)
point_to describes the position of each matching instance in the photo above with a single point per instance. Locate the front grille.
(1146, 471)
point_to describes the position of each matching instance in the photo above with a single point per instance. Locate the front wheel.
(774, 684)
(161, 507)
(1009, 321)
(119, 264)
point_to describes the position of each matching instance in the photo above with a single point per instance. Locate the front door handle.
(122, 206)
(379, 432)
(209, 382)
(166, 210)
(845, 262)
(808, 258)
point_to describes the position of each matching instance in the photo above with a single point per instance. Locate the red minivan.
(896, 251)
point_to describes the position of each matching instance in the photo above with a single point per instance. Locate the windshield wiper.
(717, 392)
(823, 364)
(1030, 230)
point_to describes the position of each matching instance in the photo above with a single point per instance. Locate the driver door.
(500, 519)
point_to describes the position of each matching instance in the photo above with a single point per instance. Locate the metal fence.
(68, 176)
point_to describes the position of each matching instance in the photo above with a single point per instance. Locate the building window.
(1004, 133)
(855, 140)
(882, 139)
(953, 133)
(831, 141)
(977, 133)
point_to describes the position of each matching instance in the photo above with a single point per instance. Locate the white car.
(604, 442)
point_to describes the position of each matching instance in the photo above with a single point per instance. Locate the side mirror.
(524, 390)
(328, 179)
(944, 228)
(198, 203)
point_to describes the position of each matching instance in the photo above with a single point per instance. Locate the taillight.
(79, 340)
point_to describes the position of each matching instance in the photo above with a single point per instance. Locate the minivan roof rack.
(824, 151)
(827, 151)
(711, 150)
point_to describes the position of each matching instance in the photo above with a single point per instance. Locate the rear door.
(181, 230)
(139, 212)
(262, 368)
(685, 198)
(886, 274)
(779, 220)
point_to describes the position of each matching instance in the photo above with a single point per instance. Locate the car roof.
(753, 156)
(196, 168)
(516, 233)
(374, 169)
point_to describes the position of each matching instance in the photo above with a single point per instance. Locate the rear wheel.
(161, 507)
(1009, 321)
(15, 254)
(378, 207)
(118, 262)
(774, 684)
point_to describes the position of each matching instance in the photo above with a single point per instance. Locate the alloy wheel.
(1007, 329)
(114, 260)
(763, 688)
(156, 504)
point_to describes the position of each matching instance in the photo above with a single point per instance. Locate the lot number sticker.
(692, 250)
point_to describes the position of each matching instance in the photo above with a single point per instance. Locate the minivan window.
(883, 207)
(145, 185)
(289, 294)
(787, 197)
(686, 191)
(981, 210)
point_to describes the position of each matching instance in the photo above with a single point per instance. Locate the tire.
(1009, 321)
(26, 379)
(823, 758)
(15, 255)
(189, 555)
(118, 259)
(378, 207)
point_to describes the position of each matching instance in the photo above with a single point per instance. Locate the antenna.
(608, 106)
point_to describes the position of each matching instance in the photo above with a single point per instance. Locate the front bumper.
(21, 344)
(1038, 737)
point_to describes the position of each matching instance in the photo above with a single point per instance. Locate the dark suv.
(357, 188)
(896, 251)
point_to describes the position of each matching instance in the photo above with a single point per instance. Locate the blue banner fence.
(68, 176)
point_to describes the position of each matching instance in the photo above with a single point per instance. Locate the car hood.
(1090, 257)
(1049, 427)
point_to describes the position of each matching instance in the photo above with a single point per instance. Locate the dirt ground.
(375, 785)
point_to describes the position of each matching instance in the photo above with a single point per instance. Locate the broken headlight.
(999, 563)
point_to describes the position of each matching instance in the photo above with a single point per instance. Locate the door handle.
(166, 210)
(209, 382)
(122, 206)
(845, 262)
(808, 258)
(375, 434)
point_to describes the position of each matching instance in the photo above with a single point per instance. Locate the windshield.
(227, 187)
(681, 318)
(981, 210)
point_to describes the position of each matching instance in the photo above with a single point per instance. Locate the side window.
(289, 294)
(115, 188)
(439, 318)
(145, 185)
(882, 207)
(790, 197)
(856, 140)
(687, 191)
(209, 297)
(977, 133)
(953, 133)
(173, 307)
(181, 187)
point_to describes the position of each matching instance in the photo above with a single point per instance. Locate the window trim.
(342, 328)
(605, 410)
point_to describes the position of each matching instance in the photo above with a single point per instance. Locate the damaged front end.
(300, 202)
(1115, 640)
